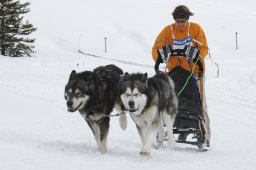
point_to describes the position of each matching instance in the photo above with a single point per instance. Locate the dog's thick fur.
(94, 94)
(151, 102)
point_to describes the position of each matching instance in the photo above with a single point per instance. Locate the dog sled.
(189, 127)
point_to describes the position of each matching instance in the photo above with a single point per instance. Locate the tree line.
(14, 33)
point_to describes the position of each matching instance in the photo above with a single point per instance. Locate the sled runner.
(189, 124)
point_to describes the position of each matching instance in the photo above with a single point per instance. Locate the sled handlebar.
(180, 53)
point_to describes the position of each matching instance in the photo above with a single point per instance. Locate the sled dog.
(150, 102)
(93, 94)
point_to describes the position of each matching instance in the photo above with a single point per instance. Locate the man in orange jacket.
(178, 35)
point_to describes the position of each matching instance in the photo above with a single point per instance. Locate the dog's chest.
(91, 117)
(146, 118)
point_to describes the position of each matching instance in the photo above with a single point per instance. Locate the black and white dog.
(151, 102)
(94, 94)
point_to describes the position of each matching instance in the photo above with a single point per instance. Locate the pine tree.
(13, 33)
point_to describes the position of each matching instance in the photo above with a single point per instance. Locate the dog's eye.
(127, 95)
(137, 94)
(79, 94)
(68, 94)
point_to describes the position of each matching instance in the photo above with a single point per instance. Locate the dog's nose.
(131, 104)
(69, 103)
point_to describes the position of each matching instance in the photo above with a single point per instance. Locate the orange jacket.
(165, 38)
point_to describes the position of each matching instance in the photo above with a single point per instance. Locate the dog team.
(150, 101)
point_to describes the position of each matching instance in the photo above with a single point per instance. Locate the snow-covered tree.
(13, 32)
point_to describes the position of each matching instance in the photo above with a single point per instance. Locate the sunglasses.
(182, 16)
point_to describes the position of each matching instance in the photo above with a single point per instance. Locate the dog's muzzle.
(70, 106)
(131, 107)
(131, 104)
(133, 110)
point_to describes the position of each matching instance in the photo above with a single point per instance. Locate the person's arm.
(202, 42)
(160, 42)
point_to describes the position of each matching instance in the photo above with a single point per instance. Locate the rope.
(116, 60)
(210, 57)
(118, 114)
(192, 71)
(216, 64)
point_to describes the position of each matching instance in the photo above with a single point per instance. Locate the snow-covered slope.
(37, 132)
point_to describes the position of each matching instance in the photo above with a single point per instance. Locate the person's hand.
(191, 53)
(158, 72)
(163, 54)
(159, 57)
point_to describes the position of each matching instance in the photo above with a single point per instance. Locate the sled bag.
(189, 98)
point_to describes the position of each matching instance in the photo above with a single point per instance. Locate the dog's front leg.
(150, 136)
(95, 130)
(123, 121)
(100, 132)
(142, 132)
(103, 135)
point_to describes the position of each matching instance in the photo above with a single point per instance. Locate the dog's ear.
(126, 76)
(144, 77)
(72, 75)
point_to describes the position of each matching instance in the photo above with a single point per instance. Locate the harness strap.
(102, 116)
(172, 32)
(173, 37)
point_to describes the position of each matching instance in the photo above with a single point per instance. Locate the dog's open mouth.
(131, 110)
(74, 109)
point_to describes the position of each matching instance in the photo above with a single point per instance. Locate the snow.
(37, 132)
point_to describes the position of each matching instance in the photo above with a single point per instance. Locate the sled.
(189, 124)
(189, 120)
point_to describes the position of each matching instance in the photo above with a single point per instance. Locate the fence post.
(236, 41)
(79, 42)
(105, 44)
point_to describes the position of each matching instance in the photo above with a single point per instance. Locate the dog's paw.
(158, 145)
(145, 155)
(172, 144)
(102, 150)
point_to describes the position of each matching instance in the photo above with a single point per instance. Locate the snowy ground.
(37, 132)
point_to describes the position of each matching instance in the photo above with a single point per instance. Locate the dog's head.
(133, 92)
(78, 90)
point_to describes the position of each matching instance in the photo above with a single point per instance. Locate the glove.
(158, 62)
(192, 53)
(163, 53)
(162, 56)
(159, 57)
